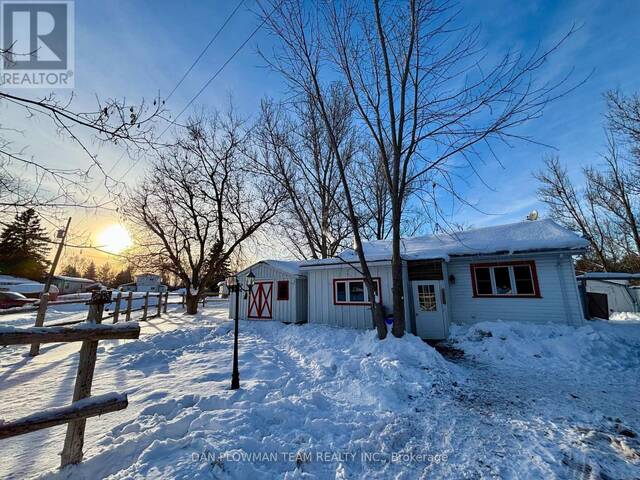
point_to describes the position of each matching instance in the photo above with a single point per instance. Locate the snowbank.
(553, 347)
(526, 401)
(625, 317)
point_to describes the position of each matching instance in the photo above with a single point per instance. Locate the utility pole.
(47, 285)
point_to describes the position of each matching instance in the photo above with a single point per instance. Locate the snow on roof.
(609, 276)
(291, 267)
(73, 279)
(287, 266)
(9, 279)
(527, 236)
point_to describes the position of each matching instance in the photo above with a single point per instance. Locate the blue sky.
(139, 48)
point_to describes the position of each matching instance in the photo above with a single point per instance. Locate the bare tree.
(607, 210)
(623, 116)
(199, 202)
(574, 210)
(295, 152)
(612, 190)
(373, 199)
(299, 60)
(30, 182)
(420, 86)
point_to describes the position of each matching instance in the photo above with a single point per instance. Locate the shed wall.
(619, 297)
(282, 310)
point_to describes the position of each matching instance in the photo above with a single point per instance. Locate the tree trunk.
(378, 320)
(398, 328)
(192, 303)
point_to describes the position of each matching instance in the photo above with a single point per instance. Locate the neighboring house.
(522, 271)
(68, 285)
(279, 293)
(223, 290)
(146, 282)
(609, 292)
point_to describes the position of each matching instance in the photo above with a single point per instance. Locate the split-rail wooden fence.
(89, 332)
(83, 405)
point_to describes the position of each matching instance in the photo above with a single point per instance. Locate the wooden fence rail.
(78, 333)
(161, 307)
(89, 407)
(83, 406)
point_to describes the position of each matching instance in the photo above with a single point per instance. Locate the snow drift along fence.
(83, 405)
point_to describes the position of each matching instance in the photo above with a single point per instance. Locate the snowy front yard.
(317, 402)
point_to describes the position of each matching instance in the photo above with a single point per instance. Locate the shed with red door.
(279, 293)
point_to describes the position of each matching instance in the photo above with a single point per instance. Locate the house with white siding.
(522, 271)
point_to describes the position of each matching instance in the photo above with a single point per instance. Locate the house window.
(506, 279)
(427, 298)
(352, 291)
(283, 290)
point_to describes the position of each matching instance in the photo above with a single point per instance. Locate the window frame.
(284, 298)
(519, 263)
(348, 301)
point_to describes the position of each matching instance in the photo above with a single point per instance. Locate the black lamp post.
(234, 286)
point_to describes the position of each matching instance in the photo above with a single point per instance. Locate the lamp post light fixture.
(233, 283)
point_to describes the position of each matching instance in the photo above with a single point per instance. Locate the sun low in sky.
(114, 238)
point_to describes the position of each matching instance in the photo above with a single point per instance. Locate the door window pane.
(356, 291)
(427, 298)
(503, 280)
(483, 281)
(341, 292)
(524, 280)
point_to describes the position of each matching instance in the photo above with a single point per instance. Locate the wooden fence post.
(146, 306)
(204, 299)
(159, 311)
(129, 304)
(182, 300)
(42, 310)
(74, 440)
(166, 301)
(116, 309)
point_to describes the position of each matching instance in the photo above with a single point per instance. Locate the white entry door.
(428, 309)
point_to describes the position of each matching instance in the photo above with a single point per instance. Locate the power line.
(204, 50)
(184, 76)
(211, 79)
(214, 76)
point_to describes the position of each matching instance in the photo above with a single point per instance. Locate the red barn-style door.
(260, 300)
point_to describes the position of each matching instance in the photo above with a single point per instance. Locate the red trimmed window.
(353, 291)
(505, 279)
(283, 290)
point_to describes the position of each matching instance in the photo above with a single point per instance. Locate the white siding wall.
(282, 310)
(560, 300)
(321, 307)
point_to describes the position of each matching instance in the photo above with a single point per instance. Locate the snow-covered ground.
(318, 402)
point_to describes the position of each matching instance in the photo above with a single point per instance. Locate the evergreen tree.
(105, 275)
(90, 272)
(122, 277)
(70, 271)
(24, 246)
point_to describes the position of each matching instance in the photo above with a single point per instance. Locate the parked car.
(31, 290)
(14, 299)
